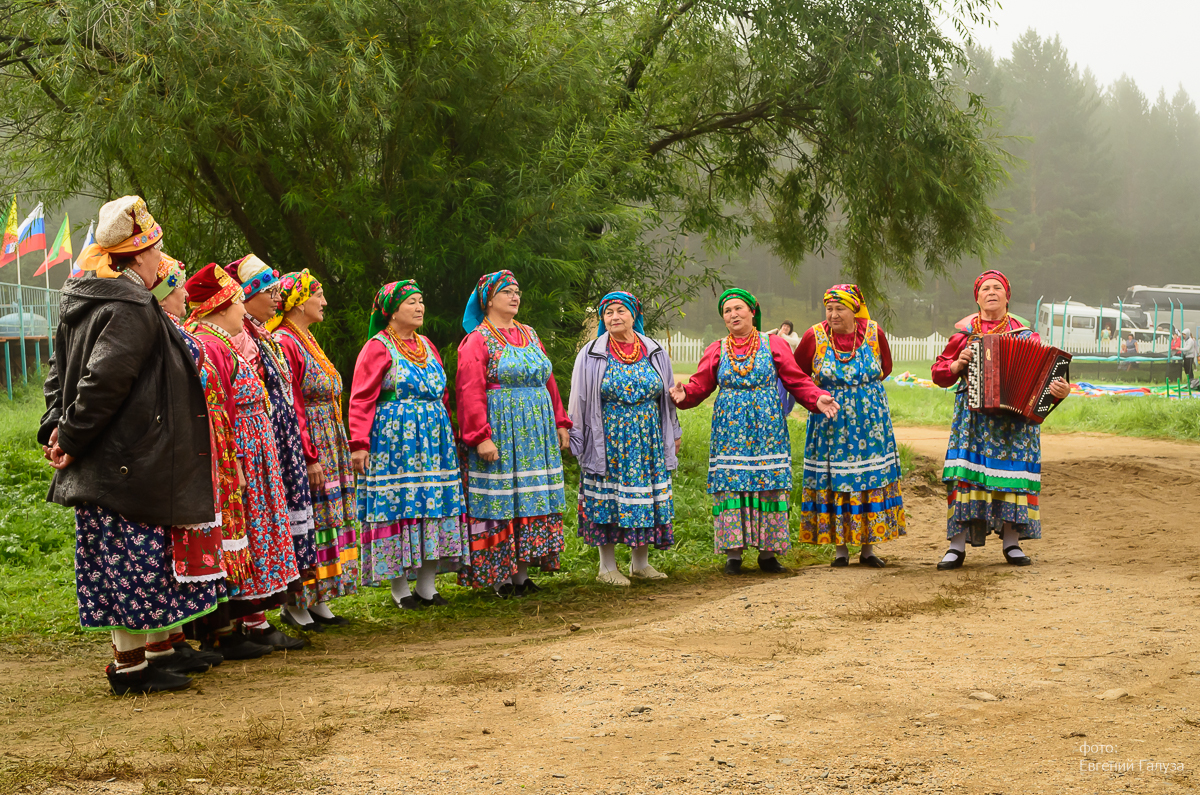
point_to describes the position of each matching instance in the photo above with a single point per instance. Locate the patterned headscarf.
(850, 296)
(745, 295)
(631, 303)
(390, 296)
(489, 285)
(298, 287)
(253, 274)
(124, 226)
(171, 275)
(998, 276)
(211, 290)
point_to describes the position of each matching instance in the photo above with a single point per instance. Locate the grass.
(1149, 417)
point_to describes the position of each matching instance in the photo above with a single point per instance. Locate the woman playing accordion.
(993, 461)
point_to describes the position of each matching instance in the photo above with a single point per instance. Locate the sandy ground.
(830, 681)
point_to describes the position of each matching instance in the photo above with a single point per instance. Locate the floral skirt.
(400, 548)
(852, 517)
(979, 512)
(124, 577)
(751, 519)
(596, 534)
(498, 545)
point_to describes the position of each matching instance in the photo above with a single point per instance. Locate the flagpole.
(21, 315)
(49, 333)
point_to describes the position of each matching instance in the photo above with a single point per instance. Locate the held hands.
(960, 364)
(564, 439)
(487, 451)
(827, 406)
(316, 475)
(53, 443)
(359, 459)
(677, 393)
(1060, 388)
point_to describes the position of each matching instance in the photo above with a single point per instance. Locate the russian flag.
(31, 235)
(77, 266)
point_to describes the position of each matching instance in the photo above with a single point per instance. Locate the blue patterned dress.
(851, 470)
(515, 504)
(750, 457)
(993, 472)
(410, 500)
(632, 503)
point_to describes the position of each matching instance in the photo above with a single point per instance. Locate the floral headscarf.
(253, 274)
(390, 296)
(631, 303)
(171, 275)
(298, 287)
(489, 285)
(850, 296)
(211, 290)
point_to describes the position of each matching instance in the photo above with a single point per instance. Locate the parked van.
(1077, 327)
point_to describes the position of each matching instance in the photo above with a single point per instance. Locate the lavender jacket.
(587, 428)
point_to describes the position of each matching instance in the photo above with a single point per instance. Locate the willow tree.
(575, 142)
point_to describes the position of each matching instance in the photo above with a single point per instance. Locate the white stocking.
(299, 613)
(639, 557)
(608, 557)
(321, 609)
(842, 551)
(400, 588)
(426, 584)
(127, 641)
(1010, 537)
(959, 543)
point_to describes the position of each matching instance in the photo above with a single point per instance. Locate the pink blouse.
(704, 382)
(374, 361)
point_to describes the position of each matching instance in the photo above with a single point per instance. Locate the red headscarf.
(998, 276)
(211, 290)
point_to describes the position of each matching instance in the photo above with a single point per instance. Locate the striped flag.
(60, 251)
(77, 266)
(31, 235)
(8, 246)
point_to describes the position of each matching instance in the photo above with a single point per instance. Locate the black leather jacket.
(127, 400)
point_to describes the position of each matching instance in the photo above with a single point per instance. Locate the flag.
(31, 235)
(60, 251)
(77, 266)
(8, 246)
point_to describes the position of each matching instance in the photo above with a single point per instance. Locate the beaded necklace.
(133, 277)
(420, 359)
(314, 349)
(621, 356)
(225, 337)
(841, 356)
(977, 325)
(742, 361)
(504, 340)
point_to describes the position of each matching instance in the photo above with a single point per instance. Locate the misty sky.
(1153, 41)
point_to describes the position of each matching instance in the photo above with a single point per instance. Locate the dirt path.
(830, 681)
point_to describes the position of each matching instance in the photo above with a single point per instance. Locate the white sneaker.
(648, 573)
(613, 577)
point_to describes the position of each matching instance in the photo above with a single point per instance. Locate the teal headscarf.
(631, 303)
(489, 284)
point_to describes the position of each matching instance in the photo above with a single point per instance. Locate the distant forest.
(1104, 193)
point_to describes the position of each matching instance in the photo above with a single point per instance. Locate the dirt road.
(846, 680)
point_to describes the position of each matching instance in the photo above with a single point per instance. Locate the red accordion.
(1009, 374)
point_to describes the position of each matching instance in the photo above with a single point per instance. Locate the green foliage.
(579, 144)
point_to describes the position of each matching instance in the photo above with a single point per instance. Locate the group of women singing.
(195, 425)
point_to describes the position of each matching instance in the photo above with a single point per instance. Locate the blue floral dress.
(750, 457)
(993, 472)
(851, 489)
(410, 500)
(515, 504)
(632, 503)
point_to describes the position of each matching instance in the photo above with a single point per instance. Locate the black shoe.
(1017, 560)
(872, 561)
(213, 658)
(959, 557)
(527, 587)
(839, 562)
(237, 646)
(336, 621)
(733, 566)
(507, 591)
(437, 600)
(287, 618)
(410, 602)
(147, 680)
(772, 565)
(276, 639)
(179, 663)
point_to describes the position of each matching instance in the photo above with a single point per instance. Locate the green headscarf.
(389, 297)
(751, 301)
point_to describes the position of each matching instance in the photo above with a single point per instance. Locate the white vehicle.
(1078, 328)
(1140, 302)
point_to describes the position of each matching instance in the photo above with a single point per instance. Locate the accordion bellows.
(1011, 374)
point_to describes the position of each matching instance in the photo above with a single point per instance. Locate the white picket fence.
(904, 349)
